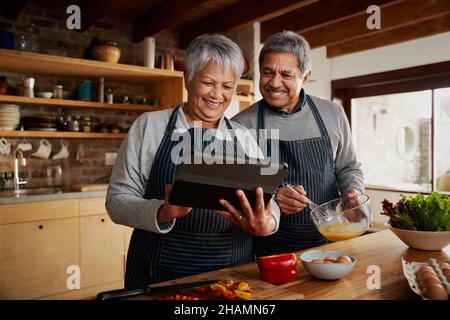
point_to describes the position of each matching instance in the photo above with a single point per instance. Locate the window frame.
(425, 77)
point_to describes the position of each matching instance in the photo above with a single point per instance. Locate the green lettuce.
(419, 213)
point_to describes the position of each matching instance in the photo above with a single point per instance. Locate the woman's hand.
(290, 201)
(257, 223)
(168, 212)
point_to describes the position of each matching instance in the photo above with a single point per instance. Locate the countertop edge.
(52, 197)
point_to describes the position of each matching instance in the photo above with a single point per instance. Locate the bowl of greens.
(420, 222)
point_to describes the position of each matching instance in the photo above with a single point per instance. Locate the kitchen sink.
(31, 191)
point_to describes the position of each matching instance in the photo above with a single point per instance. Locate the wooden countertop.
(382, 248)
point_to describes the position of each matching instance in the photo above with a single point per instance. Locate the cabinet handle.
(103, 220)
(41, 226)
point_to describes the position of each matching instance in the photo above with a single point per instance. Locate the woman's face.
(209, 94)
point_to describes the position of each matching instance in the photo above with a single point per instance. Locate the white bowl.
(332, 271)
(46, 95)
(422, 240)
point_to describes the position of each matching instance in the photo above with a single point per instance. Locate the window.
(401, 126)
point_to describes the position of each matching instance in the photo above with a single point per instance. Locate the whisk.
(319, 214)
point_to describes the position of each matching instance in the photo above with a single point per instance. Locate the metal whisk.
(318, 213)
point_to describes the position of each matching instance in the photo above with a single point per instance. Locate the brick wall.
(56, 39)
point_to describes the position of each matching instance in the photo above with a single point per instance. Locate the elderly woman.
(170, 241)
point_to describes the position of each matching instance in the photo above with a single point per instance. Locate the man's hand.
(168, 212)
(352, 201)
(257, 223)
(290, 201)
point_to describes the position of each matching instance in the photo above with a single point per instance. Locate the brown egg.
(425, 272)
(435, 292)
(446, 272)
(329, 258)
(444, 266)
(429, 281)
(327, 262)
(316, 260)
(427, 275)
(344, 259)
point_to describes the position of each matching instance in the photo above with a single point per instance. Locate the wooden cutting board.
(89, 187)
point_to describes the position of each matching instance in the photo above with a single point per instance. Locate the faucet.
(17, 180)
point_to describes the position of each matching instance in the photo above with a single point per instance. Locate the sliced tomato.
(228, 294)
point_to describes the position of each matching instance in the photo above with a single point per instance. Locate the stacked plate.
(39, 123)
(9, 116)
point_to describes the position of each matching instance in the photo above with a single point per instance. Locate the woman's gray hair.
(217, 49)
(288, 41)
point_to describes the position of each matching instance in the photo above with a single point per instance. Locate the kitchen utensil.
(315, 208)
(24, 145)
(28, 87)
(44, 150)
(5, 147)
(331, 271)
(126, 293)
(63, 152)
(89, 187)
(45, 94)
(149, 52)
(422, 240)
(346, 218)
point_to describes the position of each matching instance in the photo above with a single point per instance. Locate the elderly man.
(170, 241)
(314, 140)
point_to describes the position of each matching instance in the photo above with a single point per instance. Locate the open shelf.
(51, 65)
(65, 103)
(61, 134)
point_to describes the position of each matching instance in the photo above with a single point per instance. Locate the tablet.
(202, 185)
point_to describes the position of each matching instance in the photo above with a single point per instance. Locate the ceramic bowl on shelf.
(422, 240)
(46, 94)
(326, 271)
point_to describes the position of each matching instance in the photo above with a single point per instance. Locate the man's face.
(281, 80)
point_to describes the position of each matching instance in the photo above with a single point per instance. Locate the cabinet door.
(102, 250)
(34, 257)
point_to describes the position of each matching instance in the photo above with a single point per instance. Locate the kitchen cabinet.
(34, 257)
(40, 240)
(101, 249)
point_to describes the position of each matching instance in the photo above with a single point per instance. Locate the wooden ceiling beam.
(164, 15)
(12, 9)
(417, 30)
(316, 15)
(393, 15)
(240, 15)
(93, 11)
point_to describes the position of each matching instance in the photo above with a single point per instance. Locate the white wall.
(398, 56)
(319, 84)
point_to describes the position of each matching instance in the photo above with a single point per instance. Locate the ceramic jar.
(106, 51)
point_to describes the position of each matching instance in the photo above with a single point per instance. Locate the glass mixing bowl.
(342, 219)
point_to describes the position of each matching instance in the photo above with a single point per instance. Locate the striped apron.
(200, 241)
(310, 163)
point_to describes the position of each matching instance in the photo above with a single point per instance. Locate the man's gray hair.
(288, 41)
(217, 49)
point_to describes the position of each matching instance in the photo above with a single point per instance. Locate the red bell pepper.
(279, 268)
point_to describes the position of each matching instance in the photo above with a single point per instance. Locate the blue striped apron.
(310, 163)
(200, 241)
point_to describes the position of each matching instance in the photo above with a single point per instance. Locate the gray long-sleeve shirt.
(302, 125)
(125, 200)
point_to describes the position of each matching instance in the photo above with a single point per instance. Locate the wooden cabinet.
(34, 257)
(101, 249)
(40, 240)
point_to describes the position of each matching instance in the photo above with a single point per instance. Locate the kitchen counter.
(382, 249)
(62, 195)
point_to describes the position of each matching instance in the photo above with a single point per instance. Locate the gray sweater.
(125, 200)
(302, 125)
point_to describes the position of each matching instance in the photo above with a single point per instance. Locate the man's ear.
(307, 77)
